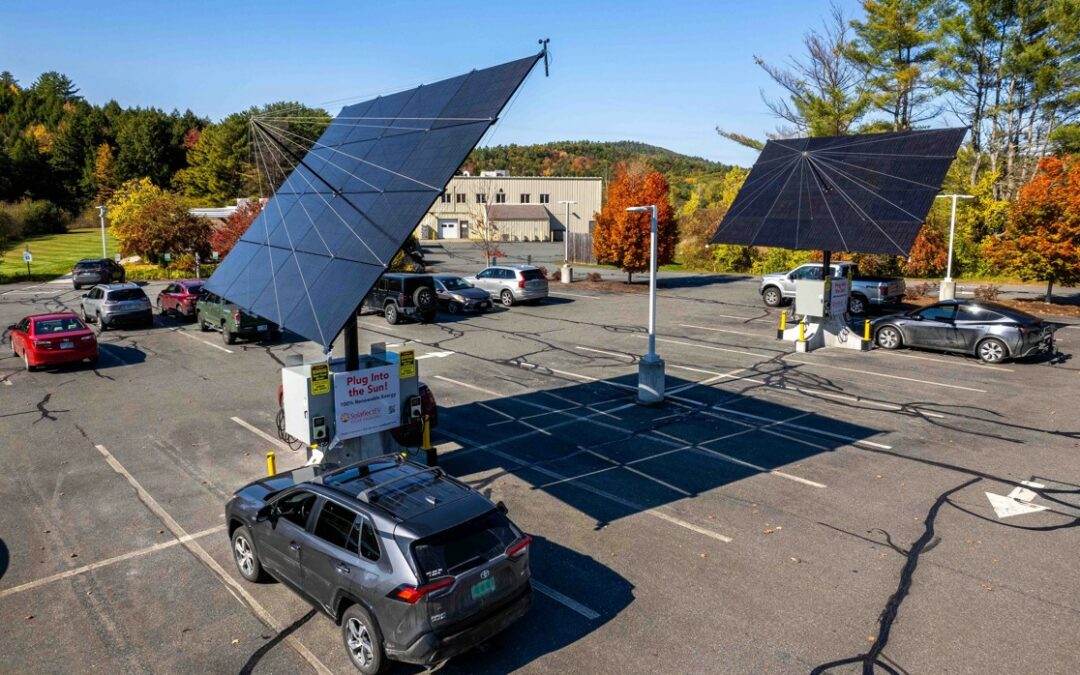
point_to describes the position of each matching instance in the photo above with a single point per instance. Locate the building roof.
(517, 212)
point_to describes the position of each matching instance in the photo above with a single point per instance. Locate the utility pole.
(947, 291)
(101, 213)
(567, 273)
(651, 367)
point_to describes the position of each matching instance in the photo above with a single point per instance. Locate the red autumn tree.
(226, 236)
(929, 254)
(1041, 240)
(621, 238)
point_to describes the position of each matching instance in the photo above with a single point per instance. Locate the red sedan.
(51, 339)
(179, 298)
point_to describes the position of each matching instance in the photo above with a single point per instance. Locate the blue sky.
(661, 72)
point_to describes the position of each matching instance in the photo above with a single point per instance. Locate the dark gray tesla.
(457, 295)
(988, 330)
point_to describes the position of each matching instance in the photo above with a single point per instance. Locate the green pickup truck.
(212, 312)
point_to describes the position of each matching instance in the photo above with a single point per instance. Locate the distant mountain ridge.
(585, 158)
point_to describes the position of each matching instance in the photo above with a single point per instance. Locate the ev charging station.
(823, 305)
(346, 415)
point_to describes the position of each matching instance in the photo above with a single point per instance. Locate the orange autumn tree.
(929, 255)
(1041, 240)
(225, 236)
(621, 238)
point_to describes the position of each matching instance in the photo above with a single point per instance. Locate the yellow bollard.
(271, 463)
(866, 331)
(783, 326)
(426, 446)
(802, 331)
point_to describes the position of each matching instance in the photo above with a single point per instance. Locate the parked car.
(179, 298)
(52, 339)
(109, 305)
(212, 312)
(988, 330)
(512, 284)
(94, 271)
(457, 295)
(413, 565)
(779, 288)
(396, 295)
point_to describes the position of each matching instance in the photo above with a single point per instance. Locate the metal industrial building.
(514, 208)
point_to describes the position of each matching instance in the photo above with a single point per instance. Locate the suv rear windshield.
(529, 275)
(89, 265)
(194, 289)
(465, 546)
(127, 294)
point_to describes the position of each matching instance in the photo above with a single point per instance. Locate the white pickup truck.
(779, 288)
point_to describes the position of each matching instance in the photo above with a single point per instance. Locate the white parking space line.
(568, 602)
(878, 404)
(572, 295)
(959, 361)
(718, 330)
(67, 574)
(606, 353)
(821, 432)
(238, 591)
(710, 347)
(262, 434)
(745, 318)
(435, 355)
(183, 332)
(815, 364)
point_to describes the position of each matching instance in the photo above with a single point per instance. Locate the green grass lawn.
(54, 254)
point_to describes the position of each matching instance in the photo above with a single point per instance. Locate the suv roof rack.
(399, 504)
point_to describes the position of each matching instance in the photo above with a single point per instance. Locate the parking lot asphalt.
(779, 513)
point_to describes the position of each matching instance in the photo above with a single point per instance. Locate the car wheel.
(889, 338)
(454, 307)
(247, 562)
(856, 304)
(227, 335)
(391, 314)
(101, 323)
(93, 360)
(992, 350)
(772, 296)
(78, 287)
(362, 640)
(202, 323)
(507, 297)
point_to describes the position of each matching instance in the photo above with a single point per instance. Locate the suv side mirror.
(11, 326)
(917, 317)
(265, 513)
(86, 295)
(502, 507)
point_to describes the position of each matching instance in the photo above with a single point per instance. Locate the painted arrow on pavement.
(1017, 502)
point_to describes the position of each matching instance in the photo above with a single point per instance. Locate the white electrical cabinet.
(810, 297)
(308, 400)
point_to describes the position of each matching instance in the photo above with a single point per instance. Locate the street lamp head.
(639, 209)
(567, 201)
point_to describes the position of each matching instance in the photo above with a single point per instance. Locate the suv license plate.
(262, 328)
(483, 588)
(67, 345)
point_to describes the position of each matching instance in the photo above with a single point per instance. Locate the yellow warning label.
(407, 364)
(320, 379)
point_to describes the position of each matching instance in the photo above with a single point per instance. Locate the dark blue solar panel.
(337, 220)
(868, 193)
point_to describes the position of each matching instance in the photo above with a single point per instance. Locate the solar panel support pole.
(352, 347)
(651, 366)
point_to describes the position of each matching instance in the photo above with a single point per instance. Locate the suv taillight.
(236, 315)
(519, 548)
(521, 282)
(412, 594)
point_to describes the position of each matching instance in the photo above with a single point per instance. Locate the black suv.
(414, 565)
(396, 295)
(94, 271)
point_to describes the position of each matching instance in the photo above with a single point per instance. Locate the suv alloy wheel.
(507, 297)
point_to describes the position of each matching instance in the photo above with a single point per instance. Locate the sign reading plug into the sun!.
(366, 401)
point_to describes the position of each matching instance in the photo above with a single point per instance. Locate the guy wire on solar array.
(866, 193)
(347, 201)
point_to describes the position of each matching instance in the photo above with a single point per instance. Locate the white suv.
(512, 284)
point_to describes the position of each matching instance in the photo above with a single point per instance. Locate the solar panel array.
(867, 193)
(334, 225)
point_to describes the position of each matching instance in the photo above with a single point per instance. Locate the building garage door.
(448, 229)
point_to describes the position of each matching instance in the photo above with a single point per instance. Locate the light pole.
(651, 367)
(566, 274)
(101, 212)
(947, 291)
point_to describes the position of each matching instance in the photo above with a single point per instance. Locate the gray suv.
(414, 565)
(112, 304)
(512, 284)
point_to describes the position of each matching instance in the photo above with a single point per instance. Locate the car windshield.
(194, 289)
(467, 545)
(455, 284)
(60, 325)
(529, 275)
(127, 294)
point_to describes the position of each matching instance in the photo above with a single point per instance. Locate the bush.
(989, 292)
(10, 229)
(779, 260)
(594, 277)
(915, 291)
(27, 218)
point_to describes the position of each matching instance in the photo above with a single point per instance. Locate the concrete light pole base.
(947, 290)
(650, 381)
(566, 274)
